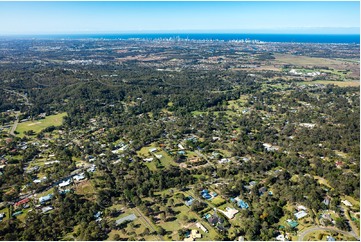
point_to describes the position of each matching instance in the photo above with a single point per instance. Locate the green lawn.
(44, 194)
(41, 124)
(145, 150)
(151, 165)
(354, 202)
(195, 113)
(217, 201)
(166, 160)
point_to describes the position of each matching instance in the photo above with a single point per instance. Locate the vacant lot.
(39, 125)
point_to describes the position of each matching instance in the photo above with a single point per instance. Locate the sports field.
(38, 125)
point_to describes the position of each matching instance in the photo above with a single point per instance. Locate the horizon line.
(170, 32)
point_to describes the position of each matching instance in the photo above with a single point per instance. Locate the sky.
(177, 17)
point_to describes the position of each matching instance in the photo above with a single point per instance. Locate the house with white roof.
(200, 226)
(65, 183)
(300, 214)
(347, 203)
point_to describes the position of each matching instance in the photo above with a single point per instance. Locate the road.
(149, 223)
(317, 228)
(19, 94)
(13, 128)
(204, 157)
(27, 103)
(352, 224)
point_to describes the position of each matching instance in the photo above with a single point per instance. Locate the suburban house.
(17, 213)
(292, 223)
(79, 177)
(269, 147)
(21, 202)
(280, 237)
(65, 183)
(152, 150)
(326, 201)
(251, 184)
(158, 156)
(92, 168)
(46, 198)
(190, 201)
(230, 212)
(262, 191)
(347, 203)
(215, 220)
(242, 204)
(148, 159)
(300, 214)
(205, 194)
(201, 227)
(97, 216)
(193, 235)
(46, 209)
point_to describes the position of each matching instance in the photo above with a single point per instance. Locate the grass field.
(145, 150)
(305, 61)
(217, 201)
(337, 83)
(39, 125)
(322, 181)
(166, 160)
(151, 165)
(85, 188)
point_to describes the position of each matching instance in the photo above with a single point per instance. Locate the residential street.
(316, 228)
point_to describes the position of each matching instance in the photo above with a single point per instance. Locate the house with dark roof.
(205, 194)
(215, 220)
(262, 191)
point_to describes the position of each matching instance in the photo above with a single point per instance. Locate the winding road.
(317, 228)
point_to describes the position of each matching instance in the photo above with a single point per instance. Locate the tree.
(161, 230)
(185, 218)
(146, 231)
(116, 237)
(162, 216)
(341, 223)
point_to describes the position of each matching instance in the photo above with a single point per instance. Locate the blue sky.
(118, 17)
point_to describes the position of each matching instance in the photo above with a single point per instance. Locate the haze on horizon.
(181, 17)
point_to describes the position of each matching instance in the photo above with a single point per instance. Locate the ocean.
(297, 38)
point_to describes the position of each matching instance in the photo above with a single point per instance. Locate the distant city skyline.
(179, 17)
